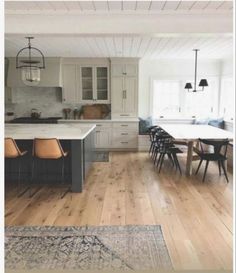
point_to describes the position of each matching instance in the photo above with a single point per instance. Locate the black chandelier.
(31, 66)
(203, 82)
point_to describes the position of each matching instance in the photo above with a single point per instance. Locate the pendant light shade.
(31, 64)
(188, 86)
(30, 76)
(203, 82)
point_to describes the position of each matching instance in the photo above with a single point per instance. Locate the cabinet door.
(131, 70)
(102, 83)
(130, 101)
(117, 70)
(70, 91)
(117, 95)
(102, 138)
(87, 83)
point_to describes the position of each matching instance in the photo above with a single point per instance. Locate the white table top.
(194, 132)
(60, 131)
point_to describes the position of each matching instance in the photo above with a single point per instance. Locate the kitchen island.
(77, 139)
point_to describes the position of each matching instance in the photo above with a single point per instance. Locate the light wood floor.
(196, 217)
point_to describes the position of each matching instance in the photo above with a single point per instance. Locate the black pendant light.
(30, 65)
(203, 82)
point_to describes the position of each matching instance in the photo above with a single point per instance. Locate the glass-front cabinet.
(87, 83)
(94, 84)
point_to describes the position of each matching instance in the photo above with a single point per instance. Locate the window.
(202, 103)
(227, 98)
(165, 99)
(171, 100)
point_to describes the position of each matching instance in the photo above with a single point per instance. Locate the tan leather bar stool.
(49, 148)
(12, 152)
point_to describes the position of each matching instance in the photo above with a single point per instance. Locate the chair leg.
(158, 161)
(155, 156)
(219, 167)
(171, 159)
(225, 173)
(162, 159)
(150, 149)
(199, 165)
(177, 162)
(207, 163)
(153, 151)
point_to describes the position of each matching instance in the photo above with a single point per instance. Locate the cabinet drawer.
(103, 125)
(124, 141)
(126, 126)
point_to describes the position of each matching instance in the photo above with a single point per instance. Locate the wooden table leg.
(189, 158)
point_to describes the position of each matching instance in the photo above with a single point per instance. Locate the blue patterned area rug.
(86, 248)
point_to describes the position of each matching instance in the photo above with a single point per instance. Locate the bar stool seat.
(49, 149)
(13, 152)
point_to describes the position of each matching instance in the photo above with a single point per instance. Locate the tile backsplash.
(48, 101)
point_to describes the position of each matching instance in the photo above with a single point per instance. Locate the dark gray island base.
(77, 163)
(82, 156)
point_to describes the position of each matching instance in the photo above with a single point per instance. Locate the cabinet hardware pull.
(124, 94)
(99, 125)
(124, 142)
(98, 131)
(124, 115)
(124, 125)
(124, 134)
(124, 73)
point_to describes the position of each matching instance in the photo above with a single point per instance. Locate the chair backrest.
(218, 145)
(164, 141)
(47, 148)
(11, 148)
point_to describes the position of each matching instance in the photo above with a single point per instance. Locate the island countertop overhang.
(60, 131)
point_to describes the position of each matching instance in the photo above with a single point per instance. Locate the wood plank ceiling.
(215, 46)
(126, 46)
(118, 6)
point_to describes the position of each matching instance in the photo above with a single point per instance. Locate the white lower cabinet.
(103, 134)
(125, 135)
(114, 135)
(124, 140)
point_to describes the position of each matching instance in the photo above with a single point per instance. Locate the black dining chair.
(218, 154)
(166, 147)
(152, 132)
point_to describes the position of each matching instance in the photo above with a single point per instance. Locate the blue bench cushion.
(219, 123)
(144, 124)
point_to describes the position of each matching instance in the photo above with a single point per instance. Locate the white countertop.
(97, 120)
(193, 131)
(60, 131)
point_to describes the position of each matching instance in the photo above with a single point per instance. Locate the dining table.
(191, 133)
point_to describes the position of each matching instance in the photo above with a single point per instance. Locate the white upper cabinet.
(49, 77)
(85, 80)
(117, 95)
(124, 88)
(124, 70)
(70, 83)
(94, 82)
(130, 101)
